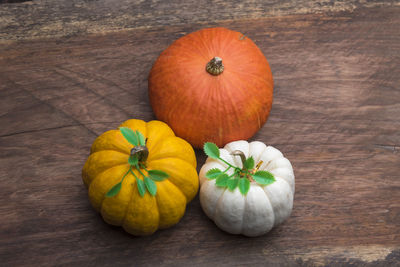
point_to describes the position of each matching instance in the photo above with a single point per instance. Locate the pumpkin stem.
(215, 66)
(241, 154)
(141, 151)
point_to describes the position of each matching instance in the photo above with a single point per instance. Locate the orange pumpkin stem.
(215, 66)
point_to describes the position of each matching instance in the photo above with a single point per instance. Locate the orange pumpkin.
(212, 85)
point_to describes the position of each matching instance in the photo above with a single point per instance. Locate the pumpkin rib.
(253, 77)
(154, 141)
(174, 147)
(233, 108)
(168, 221)
(216, 203)
(244, 210)
(289, 179)
(104, 196)
(202, 39)
(88, 173)
(270, 153)
(268, 207)
(239, 75)
(171, 157)
(206, 197)
(238, 83)
(104, 141)
(111, 206)
(142, 217)
(266, 195)
(256, 154)
(226, 202)
(100, 185)
(190, 128)
(186, 44)
(129, 205)
(276, 210)
(189, 183)
(228, 40)
(279, 161)
(97, 175)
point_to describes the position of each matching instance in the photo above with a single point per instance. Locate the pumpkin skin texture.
(200, 106)
(108, 162)
(263, 207)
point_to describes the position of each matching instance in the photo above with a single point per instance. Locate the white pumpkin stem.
(215, 66)
(241, 154)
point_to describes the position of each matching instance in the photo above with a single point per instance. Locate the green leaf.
(133, 160)
(141, 139)
(141, 187)
(264, 177)
(150, 185)
(114, 190)
(244, 186)
(211, 150)
(129, 135)
(157, 175)
(222, 180)
(213, 173)
(232, 183)
(249, 163)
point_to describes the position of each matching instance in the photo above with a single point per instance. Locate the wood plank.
(58, 18)
(335, 116)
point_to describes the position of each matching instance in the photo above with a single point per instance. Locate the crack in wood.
(52, 128)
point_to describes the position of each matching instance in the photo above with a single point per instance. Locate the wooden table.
(70, 70)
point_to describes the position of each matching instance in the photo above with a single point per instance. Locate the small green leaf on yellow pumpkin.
(129, 135)
(157, 175)
(142, 140)
(141, 187)
(150, 185)
(114, 190)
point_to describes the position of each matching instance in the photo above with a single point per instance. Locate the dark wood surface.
(336, 116)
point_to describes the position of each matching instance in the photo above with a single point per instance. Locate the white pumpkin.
(263, 207)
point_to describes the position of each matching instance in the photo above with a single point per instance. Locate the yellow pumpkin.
(138, 213)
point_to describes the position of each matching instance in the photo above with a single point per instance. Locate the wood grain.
(335, 116)
(59, 18)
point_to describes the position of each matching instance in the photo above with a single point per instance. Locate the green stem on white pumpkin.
(215, 66)
(227, 163)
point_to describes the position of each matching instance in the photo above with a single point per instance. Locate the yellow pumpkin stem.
(142, 153)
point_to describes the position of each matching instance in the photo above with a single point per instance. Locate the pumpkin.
(212, 85)
(128, 184)
(259, 199)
